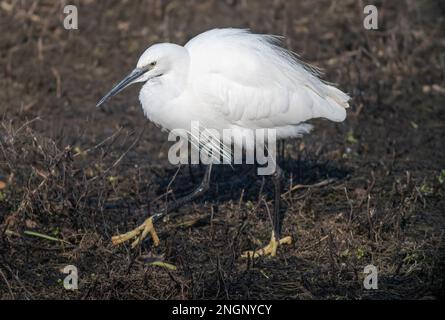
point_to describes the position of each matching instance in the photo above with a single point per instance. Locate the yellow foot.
(270, 249)
(139, 233)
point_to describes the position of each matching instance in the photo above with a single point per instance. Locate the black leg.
(276, 221)
(276, 240)
(192, 176)
(203, 187)
(147, 227)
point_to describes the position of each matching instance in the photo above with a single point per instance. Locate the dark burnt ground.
(79, 174)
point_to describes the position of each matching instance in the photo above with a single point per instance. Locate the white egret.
(230, 78)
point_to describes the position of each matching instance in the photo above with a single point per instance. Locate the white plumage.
(234, 79)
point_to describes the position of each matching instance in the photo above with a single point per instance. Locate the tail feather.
(331, 106)
(338, 96)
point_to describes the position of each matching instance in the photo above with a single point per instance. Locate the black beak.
(135, 74)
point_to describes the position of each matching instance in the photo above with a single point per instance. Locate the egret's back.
(252, 82)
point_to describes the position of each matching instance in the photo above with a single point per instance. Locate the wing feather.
(253, 82)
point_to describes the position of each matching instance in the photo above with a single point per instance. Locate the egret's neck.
(174, 82)
(157, 93)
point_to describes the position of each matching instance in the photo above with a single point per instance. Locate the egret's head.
(156, 61)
